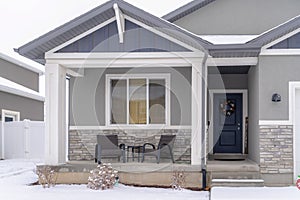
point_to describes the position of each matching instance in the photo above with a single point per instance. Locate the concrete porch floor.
(132, 173)
(153, 174)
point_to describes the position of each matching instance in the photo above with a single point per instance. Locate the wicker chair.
(163, 150)
(107, 147)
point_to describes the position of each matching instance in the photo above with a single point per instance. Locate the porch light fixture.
(276, 97)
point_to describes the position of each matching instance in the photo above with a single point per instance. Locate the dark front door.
(227, 123)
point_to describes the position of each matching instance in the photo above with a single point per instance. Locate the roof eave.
(186, 9)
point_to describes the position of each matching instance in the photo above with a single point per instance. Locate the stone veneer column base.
(82, 142)
(276, 154)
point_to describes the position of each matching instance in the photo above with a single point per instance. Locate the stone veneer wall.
(276, 149)
(82, 142)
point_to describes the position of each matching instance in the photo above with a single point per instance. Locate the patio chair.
(163, 150)
(107, 147)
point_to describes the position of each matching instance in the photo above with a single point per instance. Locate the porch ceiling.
(229, 70)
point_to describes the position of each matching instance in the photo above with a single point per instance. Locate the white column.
(55, 138)
(196, 143)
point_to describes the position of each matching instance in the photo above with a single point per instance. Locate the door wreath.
(227, 107)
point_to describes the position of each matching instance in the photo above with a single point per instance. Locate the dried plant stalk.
(178, 180)
(47, 177)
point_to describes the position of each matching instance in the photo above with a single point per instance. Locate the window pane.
(157, 99)
(137, 101)
(118, 101)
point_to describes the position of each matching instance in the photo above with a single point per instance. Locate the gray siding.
(290, 43)
(136, 39)
(28, 108)
(240, 16)
(228, 81)
(253, 117)
(275, 72)
(87, 95)
(19, 75)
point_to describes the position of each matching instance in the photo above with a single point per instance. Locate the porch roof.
(36, 49)
(277, 32)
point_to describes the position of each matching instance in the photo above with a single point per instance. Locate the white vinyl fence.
(24, 139)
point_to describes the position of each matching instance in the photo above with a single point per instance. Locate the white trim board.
(119, 60)
(17, 89)
(163, 127)
(151, 29)
(244, 93)
(280, 52)
(280, 39)
(246, 61)
(296, 134)
(82, 35)
(20, 64)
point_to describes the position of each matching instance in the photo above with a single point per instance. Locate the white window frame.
(109, 77)
(9, 113)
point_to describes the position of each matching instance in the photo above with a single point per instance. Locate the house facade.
(19, 93)
(225, 83)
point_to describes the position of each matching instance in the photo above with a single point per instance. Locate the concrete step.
(235, 175)
(228, 156)
(237, 183)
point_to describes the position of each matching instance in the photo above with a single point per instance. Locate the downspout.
(204, 129)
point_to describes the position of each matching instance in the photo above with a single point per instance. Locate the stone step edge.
(237, 181)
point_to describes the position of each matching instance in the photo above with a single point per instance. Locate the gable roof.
(36, 49)
(186, 10)
(276, 32)
(20, 64)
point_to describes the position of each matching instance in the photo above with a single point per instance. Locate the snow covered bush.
(47, 177)
(178, 180)
(103, 177)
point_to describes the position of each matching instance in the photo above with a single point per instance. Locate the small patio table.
(134, 149)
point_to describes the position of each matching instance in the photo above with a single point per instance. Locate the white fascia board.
(228, 39)
(52, 51)
(160, 33)
(252, 61)
(125, 17)
(265, 47)
(17, 89)
(280, 52)
(103, 60)
(75, 74)
(21, 64)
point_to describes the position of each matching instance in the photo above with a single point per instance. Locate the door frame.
(212, 92)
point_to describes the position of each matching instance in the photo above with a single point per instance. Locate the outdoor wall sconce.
(276, 97)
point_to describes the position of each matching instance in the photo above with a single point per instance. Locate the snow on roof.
(228, 39)
(17, 89)
(21, 62)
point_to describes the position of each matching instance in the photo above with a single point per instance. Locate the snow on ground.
(17, 175)
(257, 193)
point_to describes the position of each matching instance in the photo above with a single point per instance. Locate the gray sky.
(24, 20)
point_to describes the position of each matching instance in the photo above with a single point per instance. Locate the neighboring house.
(227, 66)
(19, 92)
